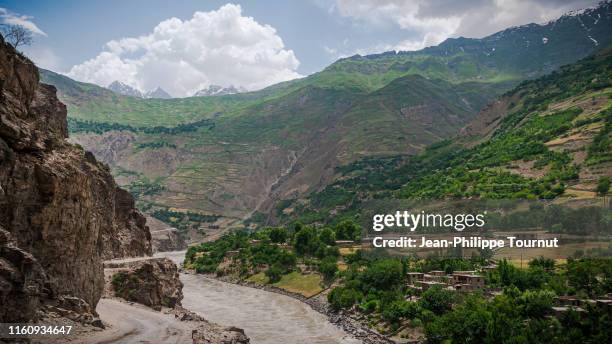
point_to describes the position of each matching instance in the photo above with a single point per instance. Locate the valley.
(236, 216)
(238, 156)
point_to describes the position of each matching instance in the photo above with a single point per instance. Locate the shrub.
(342, 297)
(328, 267)
(274, 273)
(437, 300)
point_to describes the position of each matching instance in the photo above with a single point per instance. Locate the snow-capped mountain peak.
(124, 89)
(127, 90)
(216, 90)
(158, 93)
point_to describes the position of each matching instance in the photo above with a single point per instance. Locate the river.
(266, 317)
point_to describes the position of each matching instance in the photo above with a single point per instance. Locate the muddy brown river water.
(266, 317)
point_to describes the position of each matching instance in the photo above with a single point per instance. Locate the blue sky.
(248, 43)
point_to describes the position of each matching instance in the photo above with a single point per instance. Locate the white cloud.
(435, 20)
(220, 47)
(8, 17)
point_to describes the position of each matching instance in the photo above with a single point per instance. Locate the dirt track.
(138, 324)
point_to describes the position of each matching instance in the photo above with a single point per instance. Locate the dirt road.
(128, 324)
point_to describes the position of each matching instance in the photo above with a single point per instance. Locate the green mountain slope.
(514, 53)
(547, 138)
(232, 155)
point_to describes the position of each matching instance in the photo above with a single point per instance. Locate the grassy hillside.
(514, 53)
(88, 102)
(232, 155)
(546, 138)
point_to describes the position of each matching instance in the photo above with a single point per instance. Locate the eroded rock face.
(21, 281)
(60, 205)
(163, 237)
(209, 333)
(214, 334)
(153, 282)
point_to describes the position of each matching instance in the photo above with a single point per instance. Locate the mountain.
(61, 212)
(158, 93)
(201, 161)
(547, 138)
(518, 52)
(124, 89)
(216, 90)
(127, 90)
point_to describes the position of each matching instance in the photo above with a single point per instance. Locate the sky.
(185, 46)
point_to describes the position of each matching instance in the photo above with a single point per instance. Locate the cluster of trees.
(521, 314)
(316, 247)
(517, 317)
(182, 220)
(206, 257)
(556, 218)
(377, 283)
(156, 144)
(88, 126)
(521, 136)
(145, 187)
(600, 149)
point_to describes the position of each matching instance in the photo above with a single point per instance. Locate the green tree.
(278, 235)
(536, 303)
(399, 310)
(348, 230)
(274, 273)
(437, 300)
(305, 241)
(328, 267)
(382, 275)
(342, 297)
(603, 186)
(327, 236)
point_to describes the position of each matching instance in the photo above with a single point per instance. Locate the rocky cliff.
(152, 282)
(60, 209)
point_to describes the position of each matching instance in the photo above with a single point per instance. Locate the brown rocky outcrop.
(61, 207)
(209, 333)
(167, 240)
(163, 237)
(21, 281)
(152, 282)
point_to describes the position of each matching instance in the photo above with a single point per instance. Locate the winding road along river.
(266, 317)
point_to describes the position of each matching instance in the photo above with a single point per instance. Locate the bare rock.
(61, 207)
(153, 282)
(165, 238)
(214, 334)
(22, 281)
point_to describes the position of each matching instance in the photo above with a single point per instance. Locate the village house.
(461, 281)
(428, 284)
(344, 243)
(488, 268)
(230, 254)
(414, 277)
(474, 281)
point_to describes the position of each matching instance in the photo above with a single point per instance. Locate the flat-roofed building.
(428, 284)
(474, 280)
(414, 277)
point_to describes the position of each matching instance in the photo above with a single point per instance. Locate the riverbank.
(319, 304)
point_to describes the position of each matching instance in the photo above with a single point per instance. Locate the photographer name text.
(464, 242)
